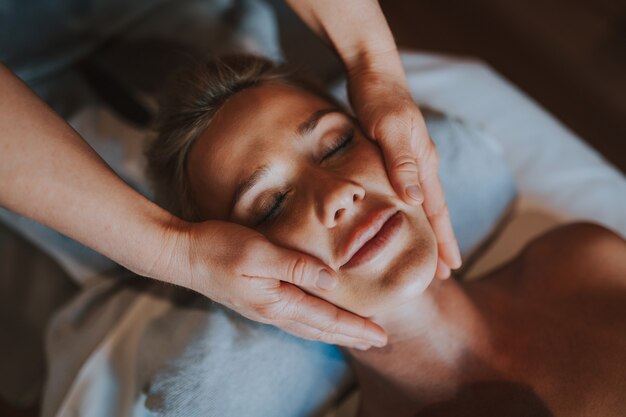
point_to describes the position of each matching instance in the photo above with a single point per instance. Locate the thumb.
(398, 141)
(299, 269)
(403, 172)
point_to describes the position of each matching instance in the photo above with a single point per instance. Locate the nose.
(339, 198)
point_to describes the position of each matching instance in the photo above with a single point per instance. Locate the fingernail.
(325, 281)
(415, 193)
(445, 272)
(379, 341)
(457, 258)
(362, 346)
(376, 339)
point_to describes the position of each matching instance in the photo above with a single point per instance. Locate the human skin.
(327, 196)
(382, 102)
(44, 164)
(542, 335)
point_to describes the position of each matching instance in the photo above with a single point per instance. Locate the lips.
(369, 238)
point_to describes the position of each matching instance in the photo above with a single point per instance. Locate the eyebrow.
(309, 125)
(305, 128)
(247, 184)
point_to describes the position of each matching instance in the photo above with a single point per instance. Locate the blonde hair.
(189, 104)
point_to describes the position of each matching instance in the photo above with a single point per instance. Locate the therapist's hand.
(388, 114)
(358, 31)
(239, 268)
(49, 173)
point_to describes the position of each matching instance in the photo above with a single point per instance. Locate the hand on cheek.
(239, 268)
(389, 116)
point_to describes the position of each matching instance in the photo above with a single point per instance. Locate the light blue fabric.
(233, 367)
(478, 184)
(195, 358)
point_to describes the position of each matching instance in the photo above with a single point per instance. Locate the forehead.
(253, 125)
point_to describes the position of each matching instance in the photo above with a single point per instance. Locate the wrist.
(357, 30)
(170, 252)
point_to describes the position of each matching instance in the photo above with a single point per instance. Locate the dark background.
(569, 55)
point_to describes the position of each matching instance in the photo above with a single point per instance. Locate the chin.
(415, 269)
(415, 275)
(403, 275)
(404, 280)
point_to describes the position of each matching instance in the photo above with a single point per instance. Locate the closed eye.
(339, 144)
(278, 200)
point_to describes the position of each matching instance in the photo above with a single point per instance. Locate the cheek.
(366, 163)
(412, 274)
(415, 268)
(294, 232)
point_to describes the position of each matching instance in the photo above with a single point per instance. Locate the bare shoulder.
(576, 237)
(577, 253)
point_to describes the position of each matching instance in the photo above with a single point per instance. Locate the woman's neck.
(435, 343)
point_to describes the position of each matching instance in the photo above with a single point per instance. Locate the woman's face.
(290, 165)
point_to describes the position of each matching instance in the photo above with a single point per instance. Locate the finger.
(327, 318)
(403, 175)
(443, 270)
(294, 267)
(399, 153)
(312, 333)
(438, 215)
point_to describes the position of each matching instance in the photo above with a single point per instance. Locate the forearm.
(357, 30)
(50, 174)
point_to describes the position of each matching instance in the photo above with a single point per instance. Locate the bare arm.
(50, 174)
(356, 29)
